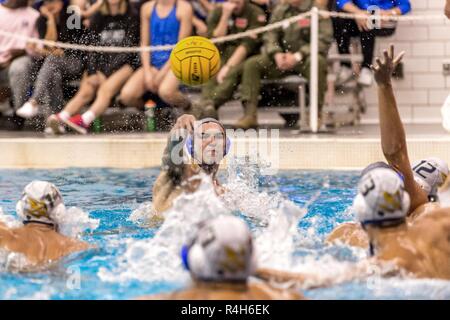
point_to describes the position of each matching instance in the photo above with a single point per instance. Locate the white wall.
(427, 44)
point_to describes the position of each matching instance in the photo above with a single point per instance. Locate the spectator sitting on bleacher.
(115, 25)
(59, 65)
(15, 64)
(234, 16)
(286, 51)
(163, 22)
(366, 30)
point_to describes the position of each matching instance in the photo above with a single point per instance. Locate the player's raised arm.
(393, 138)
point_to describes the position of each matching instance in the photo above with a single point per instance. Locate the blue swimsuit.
(162, 32)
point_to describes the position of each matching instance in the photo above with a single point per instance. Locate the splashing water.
(73, 221)
(112, 194)
(157, 259)
(9, 221)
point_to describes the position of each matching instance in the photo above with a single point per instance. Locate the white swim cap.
(381, 198)
(430, 174)
(40, 202)
(221, 251)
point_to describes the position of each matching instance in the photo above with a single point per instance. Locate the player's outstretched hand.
(383, 69)
(186, 122)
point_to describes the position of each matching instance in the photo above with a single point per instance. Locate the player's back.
(423, 248)
(431, 236)
(39, 244)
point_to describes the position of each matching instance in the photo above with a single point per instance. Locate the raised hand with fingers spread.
(383, 69)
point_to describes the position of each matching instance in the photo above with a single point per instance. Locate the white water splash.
(73, 221)
(9, 221)
(242, 191)
(158, 258)
(13, 261)
(143, 213)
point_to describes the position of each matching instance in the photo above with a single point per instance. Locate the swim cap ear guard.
(184, 256)
(196, 252)
(190, 145)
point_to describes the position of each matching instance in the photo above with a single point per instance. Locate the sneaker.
(365, 77)
(27, 111)
(77, 124)
(345, 74)
(55, 125)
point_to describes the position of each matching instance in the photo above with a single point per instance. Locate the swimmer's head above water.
(208, 144)
(382, 200)
(40, 203)
(204, 143)
(430, 174)
(220, 251)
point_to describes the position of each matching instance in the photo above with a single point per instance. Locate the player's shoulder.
(433, 226)
(6, 233)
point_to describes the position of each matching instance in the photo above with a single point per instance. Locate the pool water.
(124, 264)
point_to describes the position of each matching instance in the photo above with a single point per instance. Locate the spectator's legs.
(169, 92)
(49, 83)
(20, 79)
(215, 95)
(368, 46)
(132, 92)
(368, 43)
(84, 95)
(255, 68)
(344, 30)
(109, 89)
(223, 92)
(305, 68)
(5, 92)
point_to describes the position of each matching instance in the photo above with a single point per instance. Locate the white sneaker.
(27, 111)
(365, 77)
(345, 74)
(54, 125)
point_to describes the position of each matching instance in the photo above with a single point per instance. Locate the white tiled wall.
(427, 44)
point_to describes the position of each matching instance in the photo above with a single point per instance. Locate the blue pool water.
(112, 195)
